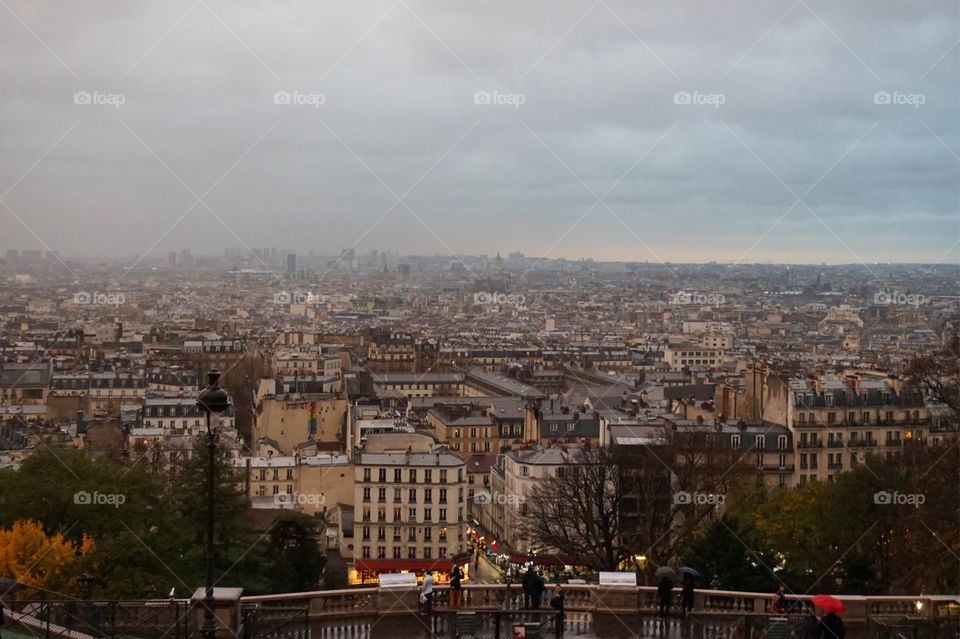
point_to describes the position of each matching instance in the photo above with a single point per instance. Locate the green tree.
(239, 557)
(296, 562)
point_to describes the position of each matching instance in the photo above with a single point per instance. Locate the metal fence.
(76, 619)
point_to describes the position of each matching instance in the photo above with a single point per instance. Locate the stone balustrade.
(590, 598)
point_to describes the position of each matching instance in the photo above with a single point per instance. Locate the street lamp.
(838, 574)
(212, 399)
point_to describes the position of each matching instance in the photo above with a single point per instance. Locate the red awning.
(413, 565)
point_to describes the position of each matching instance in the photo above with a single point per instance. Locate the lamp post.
(838, 575)
(212, 400)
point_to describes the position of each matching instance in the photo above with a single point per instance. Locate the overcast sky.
(616, 129)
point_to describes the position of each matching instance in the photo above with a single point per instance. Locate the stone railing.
(590, 598)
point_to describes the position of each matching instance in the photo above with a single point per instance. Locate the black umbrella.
(9, 586)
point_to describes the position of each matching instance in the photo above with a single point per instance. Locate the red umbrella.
(828, 603)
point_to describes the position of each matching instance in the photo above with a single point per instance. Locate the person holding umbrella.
(829, 625)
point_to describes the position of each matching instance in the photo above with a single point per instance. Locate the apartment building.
(465, 429)
(838, 421)
(409, 509)
(682, 356)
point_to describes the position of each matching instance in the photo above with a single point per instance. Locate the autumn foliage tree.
(40, 560)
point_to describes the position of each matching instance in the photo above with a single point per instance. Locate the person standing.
(780, 601)
(536, 594)
(456, 592)
(686, 596)
(830, 626)
(665, 596)
(527, 584)
(426, 593)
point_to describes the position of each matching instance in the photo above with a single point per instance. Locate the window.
(734, 442)
(761, 442)
(524, 471)
(428, 476)
(366, 494)
(413, 514)
(412, 534)
(382, 475)
(366, 474)
(413, 496)
(412, 553)
(428, 495)
(381, 533)
(781, 442)
(443, 476)
(366, 533)
(428, 514)
(365, 552)
(397, 516)
(443, 514)
(396, 552)
(397, 493)
(382, 495)
(427, 554)
(413, 476)
(443, 494)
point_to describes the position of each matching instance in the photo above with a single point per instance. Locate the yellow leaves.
(34, 558)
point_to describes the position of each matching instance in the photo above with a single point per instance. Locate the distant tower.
(291, 263)
(498, 263)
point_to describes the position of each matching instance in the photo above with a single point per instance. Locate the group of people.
(456, 590)
(665, 596)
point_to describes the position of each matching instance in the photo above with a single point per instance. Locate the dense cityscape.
(403, 415)
(559, 319)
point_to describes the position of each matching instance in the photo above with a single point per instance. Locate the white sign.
(618, 579)
(407, 581)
